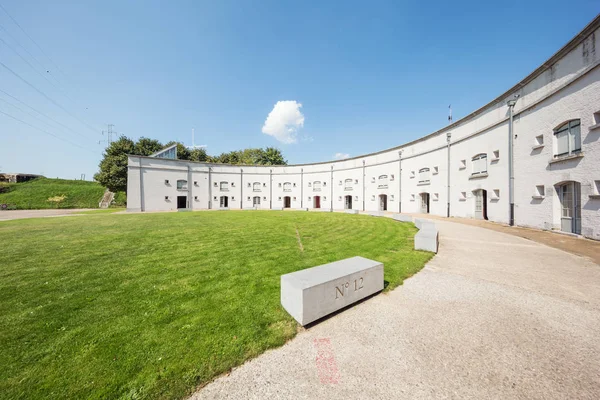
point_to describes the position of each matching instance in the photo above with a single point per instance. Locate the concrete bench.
(428, 237)
(315, 292)
(402, 218)
(351, 211)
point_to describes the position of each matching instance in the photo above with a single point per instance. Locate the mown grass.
(43, 193)
(155, 305)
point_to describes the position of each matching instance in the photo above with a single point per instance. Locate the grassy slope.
(35, 194)
(153, 305)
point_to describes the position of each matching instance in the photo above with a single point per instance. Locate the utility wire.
(31, 114)
(27, 51)
(35, 69)
(48, 57)
(41, 113)
(30, 38)
(46, 96)
(49, 133)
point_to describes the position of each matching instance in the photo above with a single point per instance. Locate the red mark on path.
(325, 361)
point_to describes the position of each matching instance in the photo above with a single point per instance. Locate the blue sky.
(369, 75)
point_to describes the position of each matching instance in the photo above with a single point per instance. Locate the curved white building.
(461, 170)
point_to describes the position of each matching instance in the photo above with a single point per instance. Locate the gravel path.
(492, 316)
(21, 214)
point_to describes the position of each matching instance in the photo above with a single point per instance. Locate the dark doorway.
(181, 202)
(348, 202)
(287, 202)
(425, 203)
(383, 202)
(256, 201)
(481, 204)
(224, 202)
(317, 202)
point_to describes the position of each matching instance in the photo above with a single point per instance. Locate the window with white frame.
(256, 187)
(182, 184)
(479, 164)
(424, 176)
(224, 186)
(383, 182)
(348, 184)
(316, 186)
(568, 138)
(287, 187)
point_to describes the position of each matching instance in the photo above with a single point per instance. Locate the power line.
(33, 68)
(30, 38)
(45, 131)
(41, 113)
(27, 51)
(34, 116)
(46, 96)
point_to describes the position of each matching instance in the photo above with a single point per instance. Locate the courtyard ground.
(492, 316)
(154, 305)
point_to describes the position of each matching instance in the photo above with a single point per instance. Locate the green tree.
(272, 156)
(145, 146)
(113, 167)
(199, 154)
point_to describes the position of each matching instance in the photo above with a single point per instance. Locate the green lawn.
(155, 305)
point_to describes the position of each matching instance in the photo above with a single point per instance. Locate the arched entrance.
(480, 203)
(256, 201)
(223, 202)
(317, 202)
(424, 203)
(569, 195)
(348, 202)
(383, 202)
(287, 202)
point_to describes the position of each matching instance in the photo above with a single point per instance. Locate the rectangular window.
(424, 176)
(181, 184)
(480, 164)
(224, 186)
(568, 138)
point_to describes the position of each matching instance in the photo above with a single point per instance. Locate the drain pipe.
(209, 188)
(448, 137)
(364, 183)
(241, 189)
(331, 198)
(301, 187)
(511, 173)
(400, 181)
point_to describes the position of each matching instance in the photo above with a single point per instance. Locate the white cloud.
(341, 156)
(284, 121)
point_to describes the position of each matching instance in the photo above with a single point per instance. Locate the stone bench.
(351, 211)
(313, 293)
(428, 236)
(402, 218)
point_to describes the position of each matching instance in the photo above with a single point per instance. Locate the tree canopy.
(113, 167)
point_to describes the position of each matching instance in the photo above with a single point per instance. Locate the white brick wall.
(568, 87)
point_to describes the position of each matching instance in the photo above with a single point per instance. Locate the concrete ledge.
(313, 293)
(402, 218)
(277, 208)
(428, 237)
(375, 213)
(351, 211)
(250, 208)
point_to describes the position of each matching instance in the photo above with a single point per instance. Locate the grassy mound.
(153, 305)
(45, 193)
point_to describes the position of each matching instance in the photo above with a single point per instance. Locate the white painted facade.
(565, 88)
